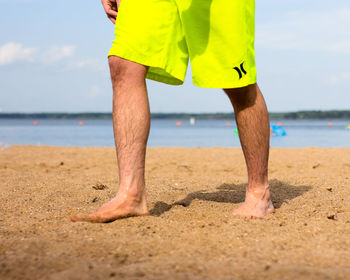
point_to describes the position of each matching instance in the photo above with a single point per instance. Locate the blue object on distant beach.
(278, 131)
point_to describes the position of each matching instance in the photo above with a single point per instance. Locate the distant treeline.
(289, 115)
(303, 115)
(60, 116)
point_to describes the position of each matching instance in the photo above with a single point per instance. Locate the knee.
(245, 96)
(239, 91)
(123, 70)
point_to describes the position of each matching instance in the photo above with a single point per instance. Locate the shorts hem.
(162, 79)
(224, 85)
(132, 56)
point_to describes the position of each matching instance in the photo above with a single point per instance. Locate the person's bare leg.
(254, 132)
(131, 123)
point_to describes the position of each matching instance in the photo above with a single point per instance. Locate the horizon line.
(171, 113)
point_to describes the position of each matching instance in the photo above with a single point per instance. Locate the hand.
(111, 8)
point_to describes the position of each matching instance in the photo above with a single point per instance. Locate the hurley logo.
(240, 70)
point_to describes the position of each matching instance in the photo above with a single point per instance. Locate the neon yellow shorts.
(216, 35)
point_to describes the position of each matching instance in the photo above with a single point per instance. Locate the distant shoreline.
(299, 115)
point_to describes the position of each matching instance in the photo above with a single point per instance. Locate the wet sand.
(190, 233)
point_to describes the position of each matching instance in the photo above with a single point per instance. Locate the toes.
(246, 215)
(81, 218)
(93, 218)
(74, 218)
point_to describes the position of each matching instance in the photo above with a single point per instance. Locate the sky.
(53, 58)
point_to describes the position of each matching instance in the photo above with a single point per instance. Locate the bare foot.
(257, 204)
(121, 206)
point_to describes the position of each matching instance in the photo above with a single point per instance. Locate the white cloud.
(339, 79)
(322, 31)
(92, 64)
(57, 53)
(12, 52)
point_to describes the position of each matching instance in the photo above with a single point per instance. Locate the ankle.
(134, 194)
(132, 186)
(259, 191)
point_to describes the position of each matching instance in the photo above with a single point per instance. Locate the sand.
(190, 233)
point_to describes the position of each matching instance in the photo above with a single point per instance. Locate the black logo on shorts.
(240, 70)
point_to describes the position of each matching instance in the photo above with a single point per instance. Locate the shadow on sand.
(231, 193)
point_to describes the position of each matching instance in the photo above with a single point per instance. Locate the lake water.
(204, 133)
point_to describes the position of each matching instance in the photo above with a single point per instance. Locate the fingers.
(111, 9)
(112, 13)
(112, 19)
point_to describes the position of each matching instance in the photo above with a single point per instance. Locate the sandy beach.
(190, 233)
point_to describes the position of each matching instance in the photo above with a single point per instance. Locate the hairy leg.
(131, 123)
(254, 132)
